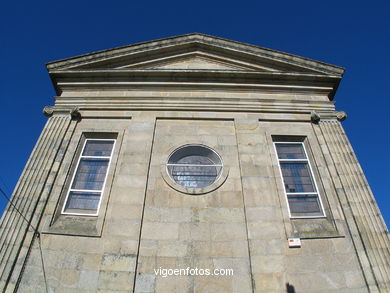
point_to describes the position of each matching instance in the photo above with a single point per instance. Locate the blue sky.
(351, 34)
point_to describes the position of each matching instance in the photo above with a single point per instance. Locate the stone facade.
(155, 97)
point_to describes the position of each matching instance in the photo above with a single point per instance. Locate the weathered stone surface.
(234, 98)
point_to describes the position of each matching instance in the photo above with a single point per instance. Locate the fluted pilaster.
(367, 227)
(17, 229)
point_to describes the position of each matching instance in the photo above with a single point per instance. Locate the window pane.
(90, 174)
(194, 166)
(194, 176)
(297, 177)
(98, 148)
(193, 151)
(304, 204)
(83, 201)
(195, 160)
(290, 151)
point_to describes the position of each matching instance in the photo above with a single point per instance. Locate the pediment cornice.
(147, 51)
(195, 58)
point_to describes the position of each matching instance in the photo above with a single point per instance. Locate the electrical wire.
(36, 233)
(43, 263)
(16, 209)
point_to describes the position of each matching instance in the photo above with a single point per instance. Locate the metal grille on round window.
(194, 166)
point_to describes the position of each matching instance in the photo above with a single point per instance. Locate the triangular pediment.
(196, 61)
(194, 52)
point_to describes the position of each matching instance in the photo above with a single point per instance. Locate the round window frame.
(222, 176)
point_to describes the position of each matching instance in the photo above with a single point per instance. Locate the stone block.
(268, 247)
(70, 278)
(148, 247)
(145, 283)
(124, 211)
(173, 284)
(122, 227)
(242, 284)
(72, 261)
(319, 281)
(172, 249)
(225, 232)
(166, 262)
(265, 264)
(120, 245)
(146, 264)
(261, 213)
(91, 261)
(88, 280)
(240, 266)
(157, 231)
(167, 214)
(220, 215)
(115, 281)
(221, 248)
(354, 279)
(195, 231)
(265, 230)
(269, 282)
(212, 284)
(118, 262)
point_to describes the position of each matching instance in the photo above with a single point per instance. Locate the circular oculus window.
(194, 166)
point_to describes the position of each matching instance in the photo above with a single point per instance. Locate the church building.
(193, 164)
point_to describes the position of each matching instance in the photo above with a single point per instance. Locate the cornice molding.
(196, 79)
(316, 116)
(150, 72)
(73, 112)
(197, 41)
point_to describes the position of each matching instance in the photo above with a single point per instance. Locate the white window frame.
(298, 193)
(86, 190)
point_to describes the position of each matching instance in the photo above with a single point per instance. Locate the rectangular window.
(299, 184)
(87, 185)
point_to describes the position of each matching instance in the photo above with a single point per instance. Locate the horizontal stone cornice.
(265, 88)
(196, 103)
(195, 80)
(191, 73)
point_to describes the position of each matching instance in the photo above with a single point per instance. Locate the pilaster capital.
(62, 110)
(335, 115)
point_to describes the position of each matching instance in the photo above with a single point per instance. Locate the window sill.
(74, 225)
(306, 228)
(307, 217)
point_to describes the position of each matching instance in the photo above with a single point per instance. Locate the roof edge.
(194, 37)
